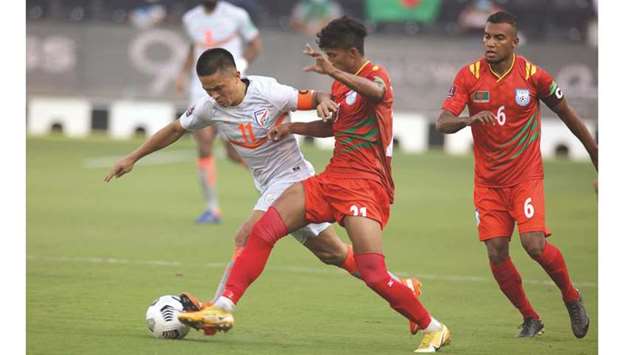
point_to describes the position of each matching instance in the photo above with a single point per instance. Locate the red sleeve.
(458, 96)
(547, 89)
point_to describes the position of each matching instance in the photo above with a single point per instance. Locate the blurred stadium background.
(97, 65)
(101, 74)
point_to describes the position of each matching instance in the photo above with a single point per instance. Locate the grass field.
(99, 253)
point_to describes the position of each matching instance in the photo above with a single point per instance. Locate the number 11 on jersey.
(247, 133)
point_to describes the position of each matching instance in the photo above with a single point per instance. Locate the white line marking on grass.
(159, 158)
(293, 269)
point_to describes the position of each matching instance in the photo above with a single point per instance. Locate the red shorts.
(330, 199)
(497, 209)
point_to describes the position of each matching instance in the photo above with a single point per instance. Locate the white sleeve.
(284, 96)
(246, 28)
(198, 115)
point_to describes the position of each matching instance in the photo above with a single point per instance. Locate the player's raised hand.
(280, 131)
(322, 65)
(482, 117)
(121, 168)
(327, 110)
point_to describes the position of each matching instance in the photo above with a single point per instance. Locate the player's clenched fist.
(483, 117)
(121, 168)
(280, 131)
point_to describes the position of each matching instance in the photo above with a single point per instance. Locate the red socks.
(511, 285)
(552, 261)
(250, 263)
(349, 263)
(374, 272)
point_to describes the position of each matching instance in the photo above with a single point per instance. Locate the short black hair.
(214, 59)
(503, 17)
(343, 33)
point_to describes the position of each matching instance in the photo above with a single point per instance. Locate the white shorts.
(271, 194)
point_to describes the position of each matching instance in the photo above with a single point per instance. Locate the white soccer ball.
(161, 318)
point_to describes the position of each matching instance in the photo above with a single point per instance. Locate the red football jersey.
(363, 132)
(509, 152)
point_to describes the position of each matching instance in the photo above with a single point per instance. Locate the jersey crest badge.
(261, 116)
(522, 97)
(481, 97)
(350, 98)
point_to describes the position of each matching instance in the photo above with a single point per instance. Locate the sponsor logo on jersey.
(350, 97)
(522, 97)
(260, 117)
(190, 111)
(481, 97)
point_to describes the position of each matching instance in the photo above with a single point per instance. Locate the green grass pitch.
(98, 254)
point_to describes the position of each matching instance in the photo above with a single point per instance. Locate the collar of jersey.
(500, 77)
(362, 67)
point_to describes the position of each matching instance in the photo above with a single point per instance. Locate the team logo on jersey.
(522, 97)
(261, 116)
(481, 97)
(190, 111)
(350, 97)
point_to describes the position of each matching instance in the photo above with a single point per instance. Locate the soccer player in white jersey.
(243, 110)
(209, 25)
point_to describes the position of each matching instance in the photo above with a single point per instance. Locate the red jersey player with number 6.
(502, 92)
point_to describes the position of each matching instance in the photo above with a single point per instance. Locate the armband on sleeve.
(305, 100)
(555, 95)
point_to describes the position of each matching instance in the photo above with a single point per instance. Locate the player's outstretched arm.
(318, 129)
(448, 123)
(163, 138)
(568, 115)
(372, 89)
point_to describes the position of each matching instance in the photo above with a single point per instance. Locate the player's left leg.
(529, 212)
(366, 236)
(331, 250)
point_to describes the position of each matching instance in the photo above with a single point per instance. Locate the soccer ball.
(161, 318)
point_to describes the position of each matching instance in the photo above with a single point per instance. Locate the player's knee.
(534, 249)
(498, 255)
(372, 272)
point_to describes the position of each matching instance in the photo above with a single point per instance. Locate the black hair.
(342, 33)
(503, 17)
(214, 59)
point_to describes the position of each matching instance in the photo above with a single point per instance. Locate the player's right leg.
(286, 214)
(366, 236)
(495, 227)
(207, 174)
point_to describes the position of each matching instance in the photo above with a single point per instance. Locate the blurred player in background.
(215, 24)
(356, 188)
(243, 110)
(502, 91)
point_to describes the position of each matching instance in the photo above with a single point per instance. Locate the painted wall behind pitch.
(110, 63)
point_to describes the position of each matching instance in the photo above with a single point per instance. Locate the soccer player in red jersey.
(502, 91)
(356, 188)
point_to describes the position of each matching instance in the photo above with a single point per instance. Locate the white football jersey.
(228, 27)
(266, 103)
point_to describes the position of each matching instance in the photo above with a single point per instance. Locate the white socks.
(226, 304)
(433, 326)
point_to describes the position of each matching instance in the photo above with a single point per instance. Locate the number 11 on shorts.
(358, 211)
